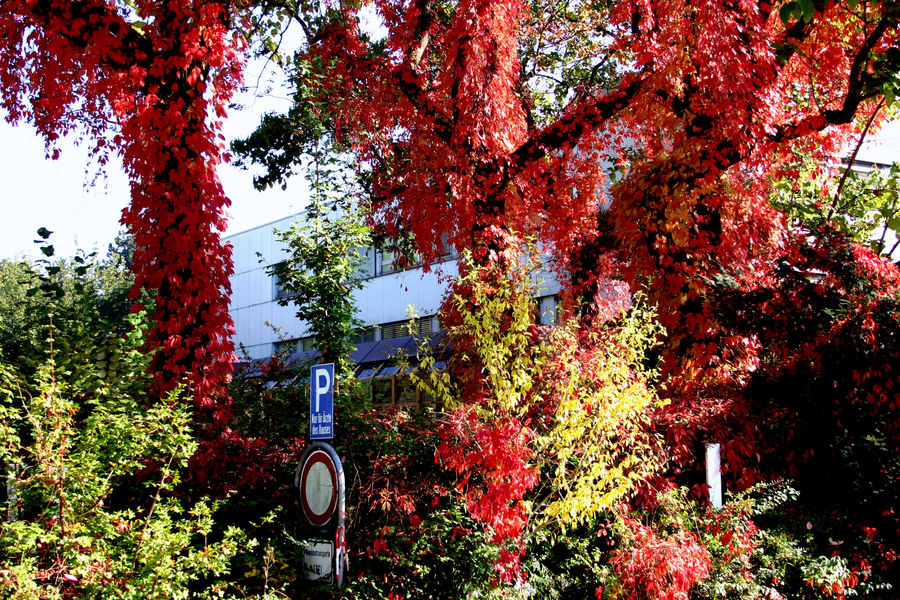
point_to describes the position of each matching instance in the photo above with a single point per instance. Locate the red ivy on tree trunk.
(149, 81)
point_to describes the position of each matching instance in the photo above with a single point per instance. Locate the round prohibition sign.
(318, 487)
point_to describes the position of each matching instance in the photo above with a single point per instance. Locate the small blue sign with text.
(321, 402)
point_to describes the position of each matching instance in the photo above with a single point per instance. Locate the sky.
(83, 212)
(59, 195)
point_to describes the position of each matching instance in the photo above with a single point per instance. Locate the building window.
(285, 346)
(394, 261)
(406, 393)
(391, 385)
(448, 250)
(307, 344)
(389, 331)
(366, 268)
(366, 334)
(422, 326)
(546, 310)
(387, 262)
(384, 386)
(278, 290)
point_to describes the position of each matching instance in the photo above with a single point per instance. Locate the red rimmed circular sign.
(319, 487)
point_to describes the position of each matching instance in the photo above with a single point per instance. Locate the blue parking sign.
(321, 402)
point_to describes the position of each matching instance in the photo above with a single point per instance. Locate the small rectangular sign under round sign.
(318, 560)
(321, 402)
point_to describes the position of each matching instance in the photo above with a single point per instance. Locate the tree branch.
(856, 87)
(133, 50)
(846, 173)
(859, 77)
(569, 128)
(421, 37)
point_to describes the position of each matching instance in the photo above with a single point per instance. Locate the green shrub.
(92, 465)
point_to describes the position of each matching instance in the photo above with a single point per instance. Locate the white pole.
(12, 494)
(714, 474)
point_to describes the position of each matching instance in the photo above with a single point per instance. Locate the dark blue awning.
(367, 355)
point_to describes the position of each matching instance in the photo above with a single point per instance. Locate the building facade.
(384, 303)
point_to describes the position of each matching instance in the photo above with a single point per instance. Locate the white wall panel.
(285, 317)
(254, 352)
(240, 289)
(261, 288)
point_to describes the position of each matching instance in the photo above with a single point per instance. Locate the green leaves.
(79, 293)
(321, 274)
(797, 9)
(282, 142)
(93, 466)
(863, 204)
(884, 77)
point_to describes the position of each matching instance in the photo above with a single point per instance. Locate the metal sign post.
(320, 479)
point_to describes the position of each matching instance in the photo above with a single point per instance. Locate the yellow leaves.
(583, 396)
(435, 382)
(496, 314)
(597, 447)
